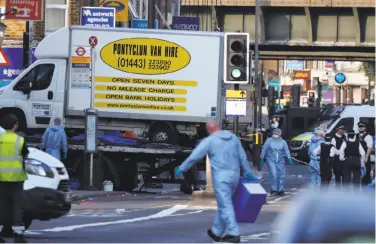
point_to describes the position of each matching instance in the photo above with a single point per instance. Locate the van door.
(42, 80)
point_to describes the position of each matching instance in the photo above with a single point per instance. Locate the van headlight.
(35, 167)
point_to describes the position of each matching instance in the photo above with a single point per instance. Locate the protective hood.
(223, 134)
(316, 139)
(55, 128)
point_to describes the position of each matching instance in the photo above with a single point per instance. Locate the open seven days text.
(145, 50)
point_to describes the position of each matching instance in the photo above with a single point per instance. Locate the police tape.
(299, 161)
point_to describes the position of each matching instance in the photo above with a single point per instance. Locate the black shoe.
(20, 239)
(213, 236)
(273, 192)
(231, 239)
(8, 233)
(2, 240)
(281, 193)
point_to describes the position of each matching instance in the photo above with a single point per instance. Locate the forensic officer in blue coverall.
(226, 157)
(54, 140)
(314, 163)
(274, 152)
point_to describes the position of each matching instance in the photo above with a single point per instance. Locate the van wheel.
(20, 117)
(27, 222)
(163, 134)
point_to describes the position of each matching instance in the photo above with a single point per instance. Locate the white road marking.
(198, 211)
(278, 199)
(161, 214)
(32, 233)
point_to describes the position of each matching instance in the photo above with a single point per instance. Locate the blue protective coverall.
(314, 163)
(54, 140)
(226, 157)
(274, 152)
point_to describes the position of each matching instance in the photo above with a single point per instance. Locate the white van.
(348, 116)
(47, 193)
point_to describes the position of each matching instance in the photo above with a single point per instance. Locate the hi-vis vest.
(11, 161)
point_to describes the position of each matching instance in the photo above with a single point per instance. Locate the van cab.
(334, 116)
(47, 194)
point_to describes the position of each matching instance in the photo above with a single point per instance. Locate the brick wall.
(14, 30)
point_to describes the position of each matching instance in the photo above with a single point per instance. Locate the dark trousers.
(352, 168)
(10, 203)
(367, 178)
(338, 167)
(326, 166)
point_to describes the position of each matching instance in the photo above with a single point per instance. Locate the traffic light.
(236, 58)
(311, 98)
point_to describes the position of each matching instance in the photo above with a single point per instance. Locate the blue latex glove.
(65, 155)
(178, 172)
(290, 161)
(262, 161)
(250, 176)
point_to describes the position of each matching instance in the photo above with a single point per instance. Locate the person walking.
(54, 140)
(314, 163)
(227, 156)
(337, 141)
(13, 152)
(274, 152)
(366, 141)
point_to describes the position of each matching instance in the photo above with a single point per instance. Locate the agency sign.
(98, 17)
(185, 23)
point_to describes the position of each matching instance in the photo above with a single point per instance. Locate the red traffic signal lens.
(237, 46)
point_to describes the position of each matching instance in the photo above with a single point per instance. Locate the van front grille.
(64, 186)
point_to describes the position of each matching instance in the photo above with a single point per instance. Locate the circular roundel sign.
(80, 51)
(340, 78)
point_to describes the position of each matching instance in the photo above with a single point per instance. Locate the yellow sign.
(141, 98)
(140, 106)
(146, 56)
(121, 7)
(141, 81)
(80, 60)
(140, 89)
(236, 94)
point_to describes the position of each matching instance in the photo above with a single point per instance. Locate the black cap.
(340, 128)
(362, 124)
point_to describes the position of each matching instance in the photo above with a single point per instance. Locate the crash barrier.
(248, 200)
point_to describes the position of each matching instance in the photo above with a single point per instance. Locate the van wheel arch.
(22, 123)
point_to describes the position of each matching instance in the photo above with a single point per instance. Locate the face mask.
(315, 131)
(276, 136)
(273, 126)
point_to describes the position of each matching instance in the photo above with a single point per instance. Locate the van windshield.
(327, 117)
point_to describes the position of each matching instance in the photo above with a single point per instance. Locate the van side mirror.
(24, 86)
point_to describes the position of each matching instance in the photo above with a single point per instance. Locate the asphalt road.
(171, 217)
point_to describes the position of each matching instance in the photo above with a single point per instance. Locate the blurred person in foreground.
(274, 152)
(54, 140)
(314, 163)
(328, 216)
(226, 156)
(13, 152)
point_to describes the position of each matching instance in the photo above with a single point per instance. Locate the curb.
(99, 194)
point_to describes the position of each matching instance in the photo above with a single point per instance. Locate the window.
(348, 123)
(298, 123)
(370, 121)
(56, 15)
(40, 78)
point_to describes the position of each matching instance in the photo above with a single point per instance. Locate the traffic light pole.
(258, 103)
(236, 117)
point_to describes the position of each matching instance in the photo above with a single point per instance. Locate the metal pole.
(151, 14)
(257, 78)
(92, 56)
(369, 90)
(236, 117)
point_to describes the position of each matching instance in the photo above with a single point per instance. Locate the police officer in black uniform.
(338, 165)
(351, 153)
(365, 139)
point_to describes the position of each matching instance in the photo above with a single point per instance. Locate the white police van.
(348, 116)
(47, 193)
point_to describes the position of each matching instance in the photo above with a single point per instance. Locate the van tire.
(163, 133)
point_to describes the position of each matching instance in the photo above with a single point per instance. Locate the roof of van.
(360, 109)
